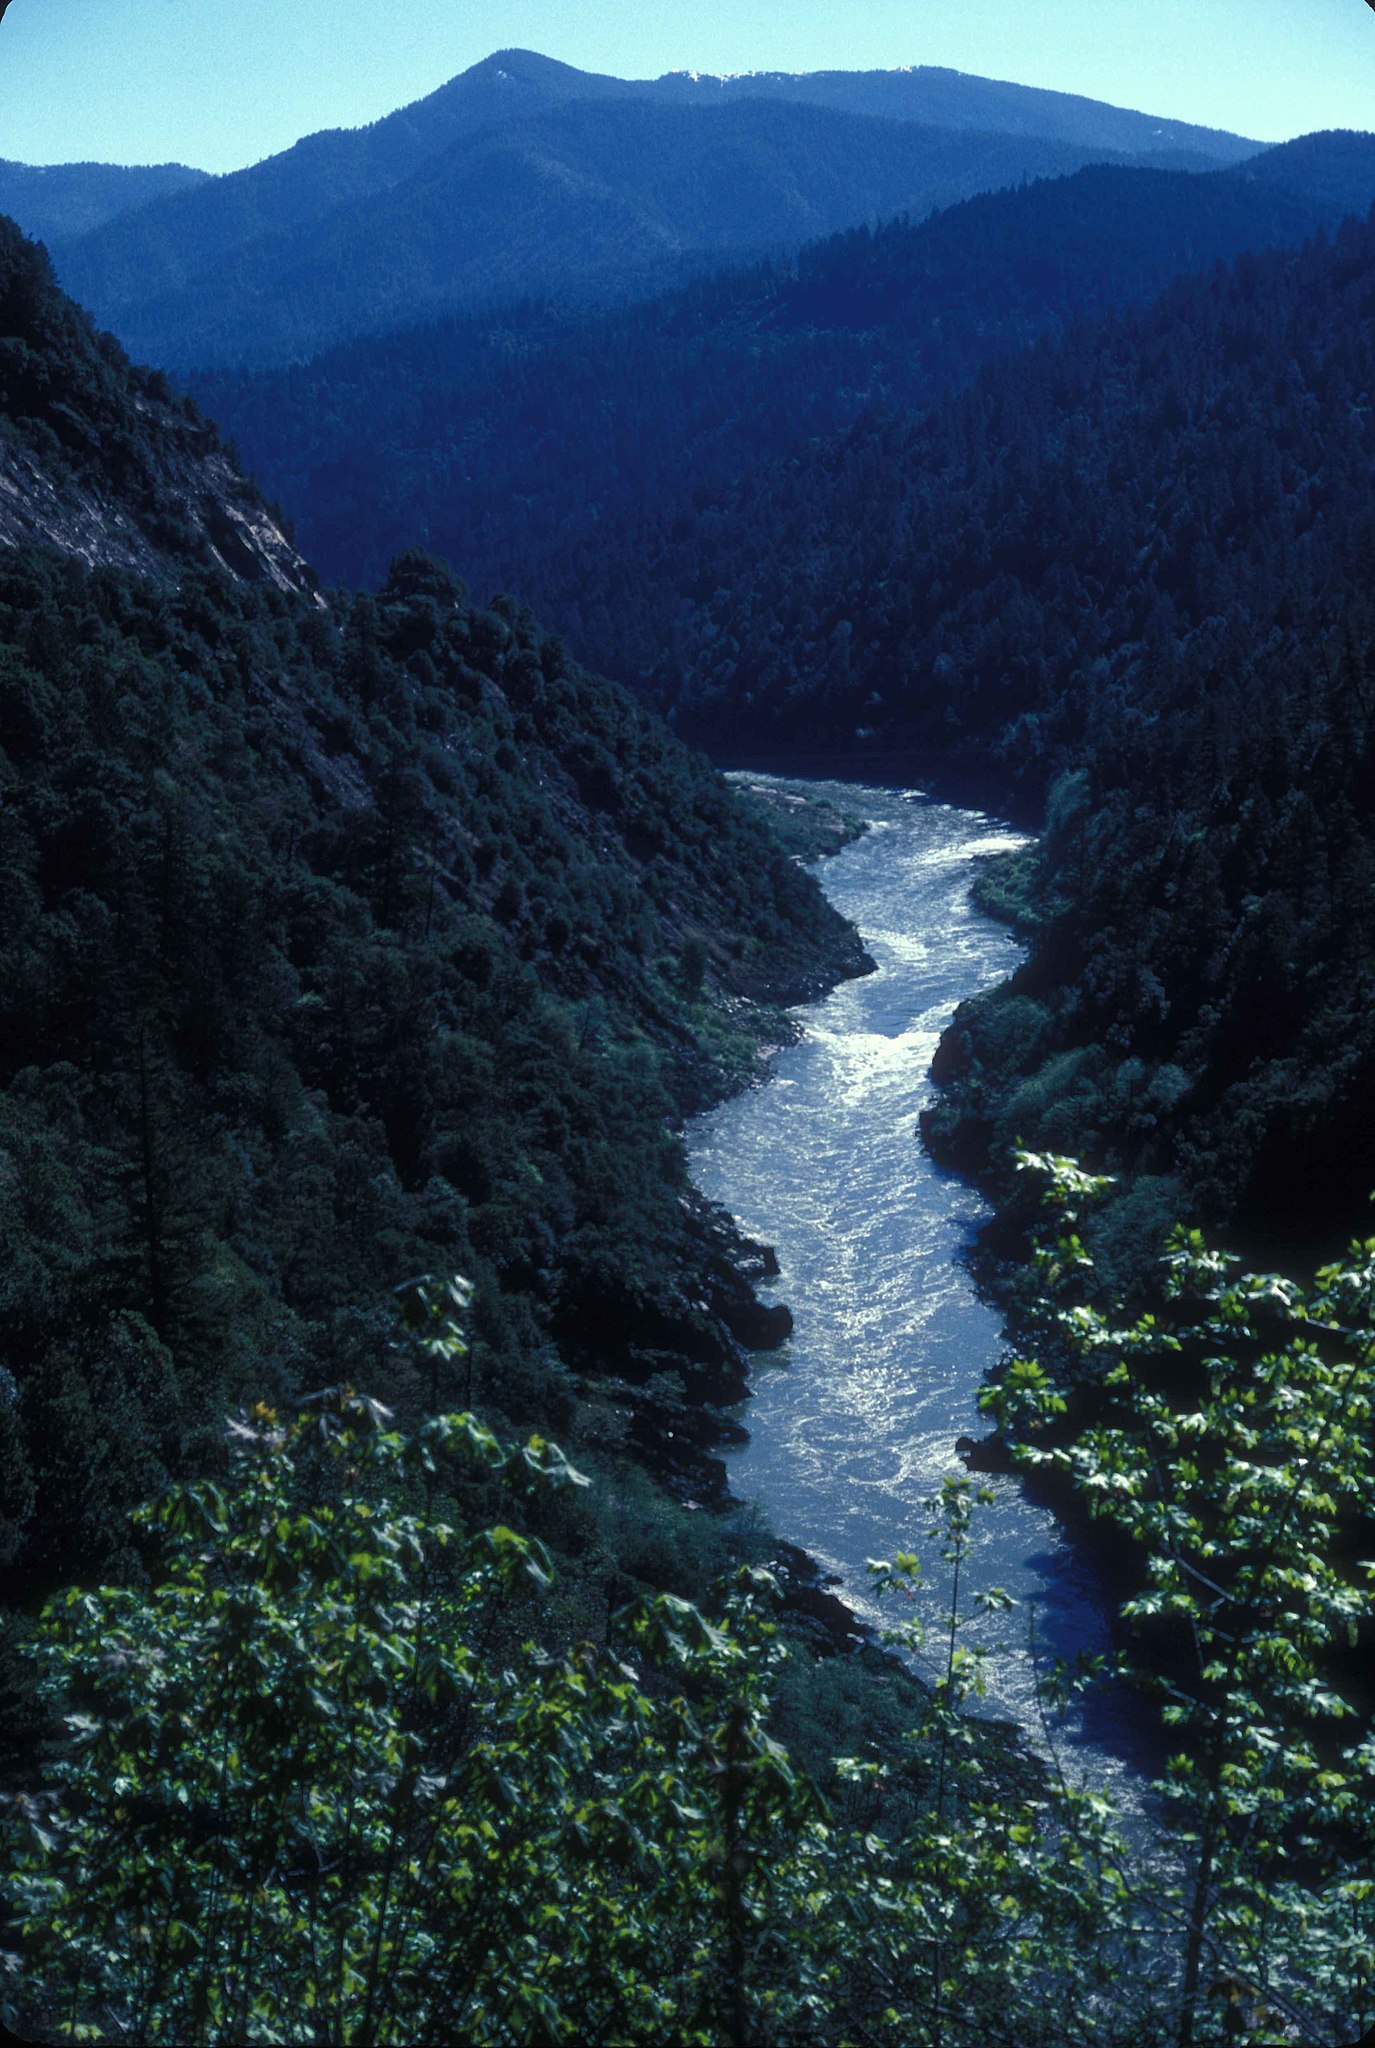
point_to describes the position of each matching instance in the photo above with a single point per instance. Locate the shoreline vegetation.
(812, 827)
(344, 938)
(382, 1653)
(338, 1612)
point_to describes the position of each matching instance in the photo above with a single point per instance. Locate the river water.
(853, 1424)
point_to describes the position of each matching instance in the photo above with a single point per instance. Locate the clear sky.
(221, 83)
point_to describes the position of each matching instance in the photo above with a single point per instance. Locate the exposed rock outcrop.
(99, 459)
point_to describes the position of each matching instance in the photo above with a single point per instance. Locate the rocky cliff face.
(98, 459)
(46, 502)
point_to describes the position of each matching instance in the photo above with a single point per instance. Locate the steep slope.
(1126, 565)
(186, 236)
(1124, 460)
(1129, 569)
(579, 466)
(55, 202)
(587, 202)
(97, 460)
(340, 944)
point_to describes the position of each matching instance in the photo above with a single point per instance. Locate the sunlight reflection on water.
(854, 1423)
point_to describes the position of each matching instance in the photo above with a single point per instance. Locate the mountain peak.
(530, 60)
(528, 67)
(524, 176)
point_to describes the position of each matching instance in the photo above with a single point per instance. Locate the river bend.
(853, 1425)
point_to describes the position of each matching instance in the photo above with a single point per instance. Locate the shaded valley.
(601, 469)
(397, 1010)
(341, 943)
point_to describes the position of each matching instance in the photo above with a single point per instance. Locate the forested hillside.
(951, 578)
(580, 464)
(353, 943)
(590, 202)
(53, 202)
(1128, 570)
(341, 943)
(1083, 566)
(345, 944)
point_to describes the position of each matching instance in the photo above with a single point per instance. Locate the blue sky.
(223, 82)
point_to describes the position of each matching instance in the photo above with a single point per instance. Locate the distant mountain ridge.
(526, 177)
(53, 202)
(943, 98)
(581, 205)
(580, 464)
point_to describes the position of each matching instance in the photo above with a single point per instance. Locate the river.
(853, 1424)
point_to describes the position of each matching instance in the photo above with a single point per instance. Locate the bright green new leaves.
(326, 1780)
(1028, 1895)
(320, 1787)
(1230, 1440)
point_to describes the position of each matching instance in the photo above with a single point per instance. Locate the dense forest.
(1120, 575)
(341, 943)
(591, 202)
(346, 944)
(959, 573)
(1129, 570)
(382, 1655)
(1126, 570)
(582, 464)
(1122, 566)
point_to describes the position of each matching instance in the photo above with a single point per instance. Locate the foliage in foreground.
(340, 1776)
(327, 1782)
(1228, 1443)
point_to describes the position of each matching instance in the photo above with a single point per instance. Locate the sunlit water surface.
(853, 1424)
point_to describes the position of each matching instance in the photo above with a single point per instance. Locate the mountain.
(523, 176)
(581, 464)
(1124, 575)
(583, 203)
(96, 458)
(53, 202)
(186, 236)
(342, 942)
(942, 98)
